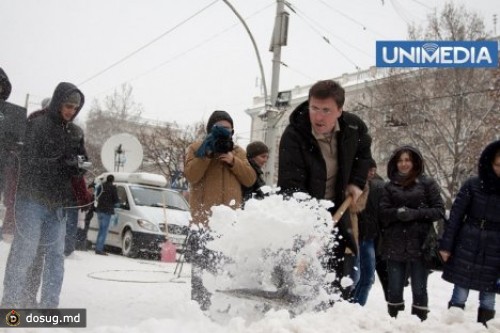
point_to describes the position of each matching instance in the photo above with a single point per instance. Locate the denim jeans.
(36, 225)
(34, 279)
(418, 276)
(367, 271)
(486, 299)
(103, 219)
(71, 228)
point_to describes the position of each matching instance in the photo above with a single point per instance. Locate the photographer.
(49, 160)
(215, 169)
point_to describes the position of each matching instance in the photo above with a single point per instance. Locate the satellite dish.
(122, 153)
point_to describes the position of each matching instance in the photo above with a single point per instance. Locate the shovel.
(168, 249)
(342, 209)
(301, 265)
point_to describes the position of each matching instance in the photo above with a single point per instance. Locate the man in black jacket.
(49, 159)
(325, 152)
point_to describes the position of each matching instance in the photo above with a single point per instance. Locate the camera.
(83, 163)
(223, 145)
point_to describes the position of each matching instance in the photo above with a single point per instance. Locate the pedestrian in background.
(410, 203)
(107, 199)
(257, 155)
(470, 246)
(81, 234)
(368, 224)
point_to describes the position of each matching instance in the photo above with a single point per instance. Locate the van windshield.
(147, 196)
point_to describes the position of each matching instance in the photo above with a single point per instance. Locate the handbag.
(430, 252)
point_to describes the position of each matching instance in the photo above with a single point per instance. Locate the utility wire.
(297, 71)
(179, 55)
(351, 19)
(325, 39)
(306, 17)
(423, 4)
(147, 44)
(400, 10)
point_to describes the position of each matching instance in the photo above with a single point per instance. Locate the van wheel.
(129, 248)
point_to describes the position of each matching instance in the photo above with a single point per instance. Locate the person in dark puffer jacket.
(410, 203)
(470, 245)
(7, 163)
(325, 152)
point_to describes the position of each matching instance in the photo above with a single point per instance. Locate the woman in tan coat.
(215, 169)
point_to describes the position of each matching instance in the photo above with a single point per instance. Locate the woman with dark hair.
(470, 245)
(409, 205)
(257, 155)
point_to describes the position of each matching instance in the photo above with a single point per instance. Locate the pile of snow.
(272, 244)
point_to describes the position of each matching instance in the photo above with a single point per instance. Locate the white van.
(146, 210)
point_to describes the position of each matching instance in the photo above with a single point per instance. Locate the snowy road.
(134, 295)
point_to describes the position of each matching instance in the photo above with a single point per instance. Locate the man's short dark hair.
(110, 178)
(326, 89)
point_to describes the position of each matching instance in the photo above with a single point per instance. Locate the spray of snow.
(271, 244)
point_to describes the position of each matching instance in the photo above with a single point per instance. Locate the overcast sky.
(199, 57)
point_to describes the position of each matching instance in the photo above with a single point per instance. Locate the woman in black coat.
(470, 245)
(409, 205)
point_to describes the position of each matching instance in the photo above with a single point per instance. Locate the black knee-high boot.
(484, 315)
(394, 308)
(420, 311)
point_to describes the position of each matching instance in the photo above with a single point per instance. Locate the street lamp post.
(272, 115)
(256, 49)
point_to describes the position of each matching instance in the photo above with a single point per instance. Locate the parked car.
(147, 211)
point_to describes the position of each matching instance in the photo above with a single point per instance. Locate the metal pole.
(278, 40)
(27, 101)
(256, 49)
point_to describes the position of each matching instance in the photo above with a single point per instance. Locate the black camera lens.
(223, 146)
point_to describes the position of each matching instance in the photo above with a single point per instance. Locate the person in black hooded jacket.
(410, 203)
(470, 245)
(5, 85)
(49, 160)
(5, 89)
(325, 152)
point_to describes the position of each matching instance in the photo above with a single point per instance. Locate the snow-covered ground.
(138, 295)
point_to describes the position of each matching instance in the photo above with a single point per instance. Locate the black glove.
(406, 214)
(70, 165)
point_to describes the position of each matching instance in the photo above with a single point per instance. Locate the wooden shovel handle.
(341, 210)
